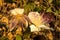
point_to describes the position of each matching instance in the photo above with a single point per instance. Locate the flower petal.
(35, 18)
(17, 11)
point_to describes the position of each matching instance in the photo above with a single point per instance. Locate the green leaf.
(18, 37)
(3, 38)
(40, 8)
(49, 9)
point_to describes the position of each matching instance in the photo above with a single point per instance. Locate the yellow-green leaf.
(18, 37)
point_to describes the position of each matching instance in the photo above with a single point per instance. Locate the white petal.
(33, 28)
(44, 27)
(13, 12)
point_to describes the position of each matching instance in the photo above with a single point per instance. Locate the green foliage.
(39, 9)
(57, 12)
(56, 2)
(29, 7)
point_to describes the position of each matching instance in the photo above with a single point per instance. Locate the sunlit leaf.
(50, 1)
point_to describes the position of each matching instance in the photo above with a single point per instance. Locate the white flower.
(39, 20)
(17, 11)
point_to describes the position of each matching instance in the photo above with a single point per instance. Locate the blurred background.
(22, 32)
